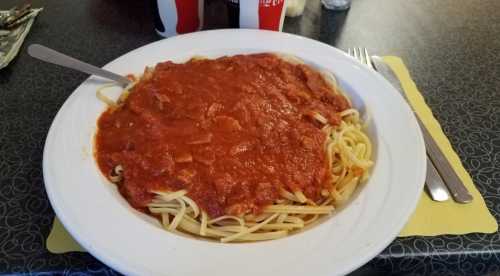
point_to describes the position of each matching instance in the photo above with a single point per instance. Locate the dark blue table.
(452, 48)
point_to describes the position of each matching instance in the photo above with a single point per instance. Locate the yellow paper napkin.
(60, 241)
(430, 218)
(437, 218)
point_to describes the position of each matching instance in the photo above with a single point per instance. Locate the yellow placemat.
(60, 241)
(429, 219)
(432, 218)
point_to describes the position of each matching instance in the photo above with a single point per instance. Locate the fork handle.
(51, 56)
(434, 183)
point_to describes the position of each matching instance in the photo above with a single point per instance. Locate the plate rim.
(112, 261)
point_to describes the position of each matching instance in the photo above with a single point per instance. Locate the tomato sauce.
(231, 131)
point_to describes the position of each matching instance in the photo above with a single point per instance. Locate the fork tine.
(360, 55)
(368, 59)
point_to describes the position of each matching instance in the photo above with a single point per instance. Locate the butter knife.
(438, 165)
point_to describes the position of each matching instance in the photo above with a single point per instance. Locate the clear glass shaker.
(339, 5)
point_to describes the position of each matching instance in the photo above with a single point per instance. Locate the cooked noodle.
(348, 151)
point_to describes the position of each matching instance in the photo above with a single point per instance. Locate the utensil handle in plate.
(51, 56)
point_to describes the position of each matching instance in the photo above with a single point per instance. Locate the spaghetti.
(283, 151)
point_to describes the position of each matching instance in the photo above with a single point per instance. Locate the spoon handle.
(52, 56)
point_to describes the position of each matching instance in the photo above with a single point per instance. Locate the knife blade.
(437, 159)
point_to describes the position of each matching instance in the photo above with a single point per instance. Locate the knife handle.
(457, 189)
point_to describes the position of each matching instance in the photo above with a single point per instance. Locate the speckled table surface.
(451, 48)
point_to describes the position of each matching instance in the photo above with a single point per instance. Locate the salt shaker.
(339, 5)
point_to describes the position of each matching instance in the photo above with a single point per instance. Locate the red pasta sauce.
(231, 131)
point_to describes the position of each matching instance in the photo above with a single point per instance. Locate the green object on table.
(12, 38)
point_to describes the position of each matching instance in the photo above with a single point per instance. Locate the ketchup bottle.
(174, 17)
(270, 14)
(188, 17)
(233, 13)
(257, 14)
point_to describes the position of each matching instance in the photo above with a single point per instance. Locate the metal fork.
(433, 181)
(361, 55)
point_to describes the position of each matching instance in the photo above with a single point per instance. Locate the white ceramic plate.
(103, 223)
